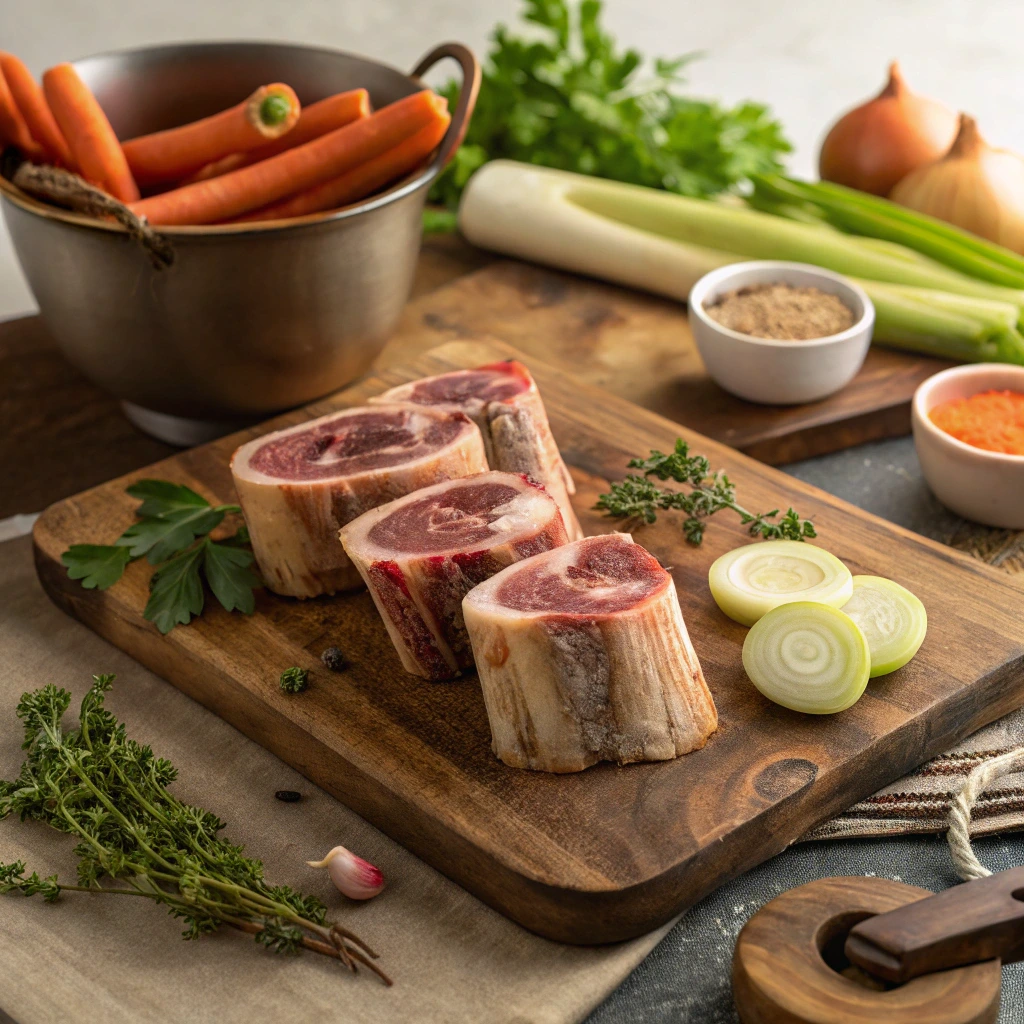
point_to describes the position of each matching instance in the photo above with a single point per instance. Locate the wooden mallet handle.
(969, 923)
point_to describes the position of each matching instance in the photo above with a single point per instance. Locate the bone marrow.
(299, 486)
(583, 657)
(503, 400)
(421, 554)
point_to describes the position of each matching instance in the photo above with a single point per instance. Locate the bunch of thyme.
(135, 838)
(638, 497)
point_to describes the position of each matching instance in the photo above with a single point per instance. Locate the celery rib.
(872, 216)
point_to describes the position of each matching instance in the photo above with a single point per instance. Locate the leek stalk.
(662, 243)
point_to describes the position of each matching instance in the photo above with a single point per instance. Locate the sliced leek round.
(749, 581)
(808, 657)
(892, 620)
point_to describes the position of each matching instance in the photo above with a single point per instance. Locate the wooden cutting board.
(613, 851)
(639, 347)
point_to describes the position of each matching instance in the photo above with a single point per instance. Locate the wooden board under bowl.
(640, 348)
(613, 851)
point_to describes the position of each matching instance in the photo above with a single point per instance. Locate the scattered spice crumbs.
(781, 312)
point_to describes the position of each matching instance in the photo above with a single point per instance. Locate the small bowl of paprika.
(968, 424)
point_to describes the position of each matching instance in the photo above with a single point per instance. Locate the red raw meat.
(298, 487)
(421, 555)
(503, 400)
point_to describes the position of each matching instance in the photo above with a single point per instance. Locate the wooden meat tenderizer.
(978, 920)
(931, 959)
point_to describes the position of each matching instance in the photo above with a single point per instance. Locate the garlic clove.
(356, 878)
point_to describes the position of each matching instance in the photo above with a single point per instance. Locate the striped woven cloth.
(920, 801)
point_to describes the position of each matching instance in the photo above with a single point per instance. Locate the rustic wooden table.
(59, 434)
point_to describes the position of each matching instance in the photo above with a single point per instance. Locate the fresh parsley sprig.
(172, 532)
(568, 97)
(136, 838)
(639, 497)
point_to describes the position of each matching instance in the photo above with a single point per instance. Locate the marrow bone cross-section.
(503, 400)
(299, 486)
(421, 555)
(583, 657)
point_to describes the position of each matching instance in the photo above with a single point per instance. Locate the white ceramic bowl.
(985, 486)
(780, 372)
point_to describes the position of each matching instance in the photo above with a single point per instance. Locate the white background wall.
(807, 58)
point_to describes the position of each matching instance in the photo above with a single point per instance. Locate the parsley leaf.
(173, 532)
(176, 590)
(163, 536)
(161, 496)
(98, 566)
(568, 98)
(230, 577)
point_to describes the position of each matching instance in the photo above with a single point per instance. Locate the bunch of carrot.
(265, 158)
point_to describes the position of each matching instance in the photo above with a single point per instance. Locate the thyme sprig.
(136, 839)
(639, 497)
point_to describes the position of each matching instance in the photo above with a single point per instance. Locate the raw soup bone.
(299, 486)
(583, 657)
(421, 555)
(503, 401)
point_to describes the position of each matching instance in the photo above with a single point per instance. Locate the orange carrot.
(363, 180)
(249, 188)
(270, 112)
(315, 120)
(35, 110)
(92, 141)
(13, 130)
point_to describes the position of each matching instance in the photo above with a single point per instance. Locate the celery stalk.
(863, 214)
(756, 235)
(944, 325)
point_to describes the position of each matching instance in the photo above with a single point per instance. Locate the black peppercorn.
(334, 659)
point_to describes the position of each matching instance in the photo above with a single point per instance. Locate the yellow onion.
(875, 145)
(973, 186)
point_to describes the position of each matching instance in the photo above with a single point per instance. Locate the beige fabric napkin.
(103, 959)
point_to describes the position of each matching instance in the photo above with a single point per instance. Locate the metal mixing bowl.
(250, 319)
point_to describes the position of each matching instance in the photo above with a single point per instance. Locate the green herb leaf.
(566, 97)
(294, 679)
(159, 497)
(176, 590)
(161, 538)
(136, 838)
(98, 566)
(229, 573)
(637, 497)
(172, 518)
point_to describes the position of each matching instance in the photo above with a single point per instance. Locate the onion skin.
(973, 186)
(880, 142)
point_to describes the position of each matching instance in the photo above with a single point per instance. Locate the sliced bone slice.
(421, 555)
(298, 487)
(583, 656)
(503, 400)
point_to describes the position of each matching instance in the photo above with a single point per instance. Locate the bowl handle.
(470, 66)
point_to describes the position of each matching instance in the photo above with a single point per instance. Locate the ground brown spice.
(781, 312)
